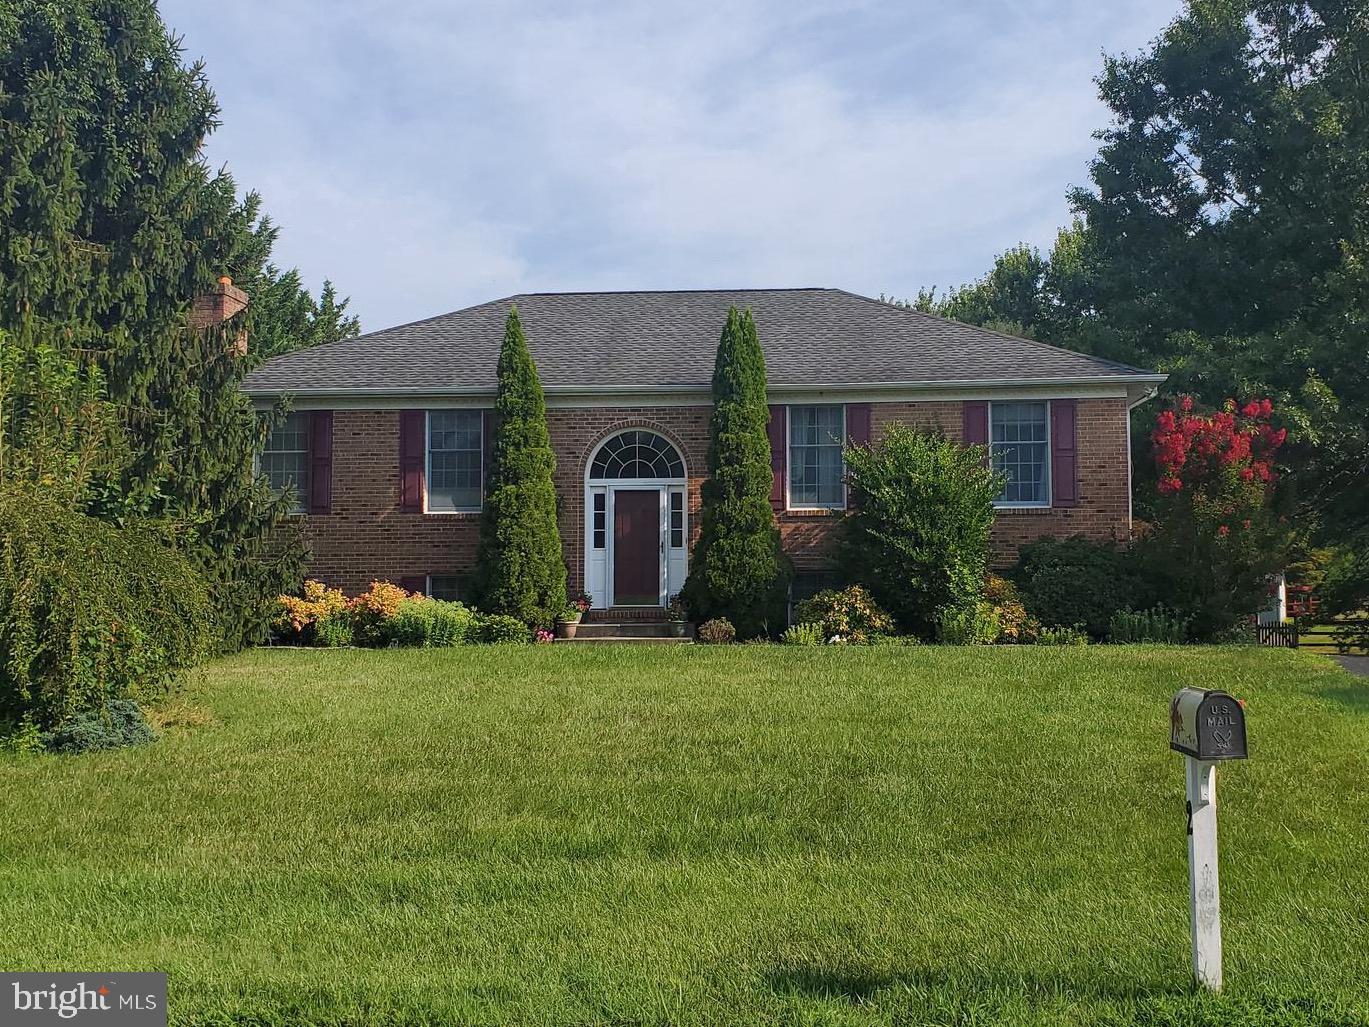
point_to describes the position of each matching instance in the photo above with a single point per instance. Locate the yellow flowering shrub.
(373, 608)
(298, 615)
(1015, 624)
(851, 615)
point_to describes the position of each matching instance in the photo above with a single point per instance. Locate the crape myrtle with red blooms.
(1203, 451)
(1220, 533)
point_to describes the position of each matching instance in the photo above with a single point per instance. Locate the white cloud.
(426, 154)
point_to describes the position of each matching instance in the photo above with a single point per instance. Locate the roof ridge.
(1050, 347)
(674, 292)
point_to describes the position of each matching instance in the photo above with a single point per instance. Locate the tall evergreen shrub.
(520, 568)
(738, 570)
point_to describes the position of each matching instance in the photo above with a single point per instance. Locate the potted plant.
(569, 619)
(675, 615)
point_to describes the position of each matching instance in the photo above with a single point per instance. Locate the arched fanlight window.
(636, 454)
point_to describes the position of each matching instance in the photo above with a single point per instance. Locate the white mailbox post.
(1207, 726)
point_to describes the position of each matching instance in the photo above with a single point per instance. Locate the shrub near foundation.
(918, 533)
(500, 629)
(849, 615)
(372, 610)
(718, 631)
(738, 571)
(1078, 582)
(427, 623)
(387, 615)
(520, 567)
(298, 617)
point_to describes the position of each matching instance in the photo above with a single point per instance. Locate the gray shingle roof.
(615, 340)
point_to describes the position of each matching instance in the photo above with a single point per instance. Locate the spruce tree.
(520, 569)
(738, 570)
(110, 224)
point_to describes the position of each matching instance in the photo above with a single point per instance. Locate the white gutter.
(933, 385)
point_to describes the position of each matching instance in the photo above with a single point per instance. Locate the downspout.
(1149, 393)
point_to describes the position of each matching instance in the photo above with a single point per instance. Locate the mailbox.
(1207, 724)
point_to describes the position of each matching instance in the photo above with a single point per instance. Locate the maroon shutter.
(857, 424)
(321, 462)
(779, 440)
(1064, 464)
(976, 414)
(487, 449)
(413, 426)
(414, 583)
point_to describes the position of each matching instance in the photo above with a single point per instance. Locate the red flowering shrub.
(1196, 451)
(1217, 536)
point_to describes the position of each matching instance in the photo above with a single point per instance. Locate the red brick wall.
(367, 537)
(1104, 508)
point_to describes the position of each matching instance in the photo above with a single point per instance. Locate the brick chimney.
(220, 304)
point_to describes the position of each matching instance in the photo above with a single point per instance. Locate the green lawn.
(694, 835)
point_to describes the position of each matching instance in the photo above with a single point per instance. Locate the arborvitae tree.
(520, 569)
(110, 224)
(738, 569)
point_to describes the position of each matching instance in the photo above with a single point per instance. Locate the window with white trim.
(455, 460)
(1019, 443)
(447, 587)
(285, 460)
(636, 454)
(817, 472)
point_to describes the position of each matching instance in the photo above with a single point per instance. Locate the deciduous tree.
(1225, 235)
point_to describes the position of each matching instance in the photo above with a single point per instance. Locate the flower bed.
(385, 616)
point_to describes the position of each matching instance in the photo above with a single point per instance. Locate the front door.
(636, 547)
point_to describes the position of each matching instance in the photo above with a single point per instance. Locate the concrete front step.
(624, 629)
(624, 640)
(623, 614)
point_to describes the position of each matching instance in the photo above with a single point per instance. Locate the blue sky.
(431, 154)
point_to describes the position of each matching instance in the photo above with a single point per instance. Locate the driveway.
(1354, 664)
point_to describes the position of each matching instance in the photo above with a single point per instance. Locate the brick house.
(390, 432)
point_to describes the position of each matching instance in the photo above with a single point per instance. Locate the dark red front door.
(636, 547)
